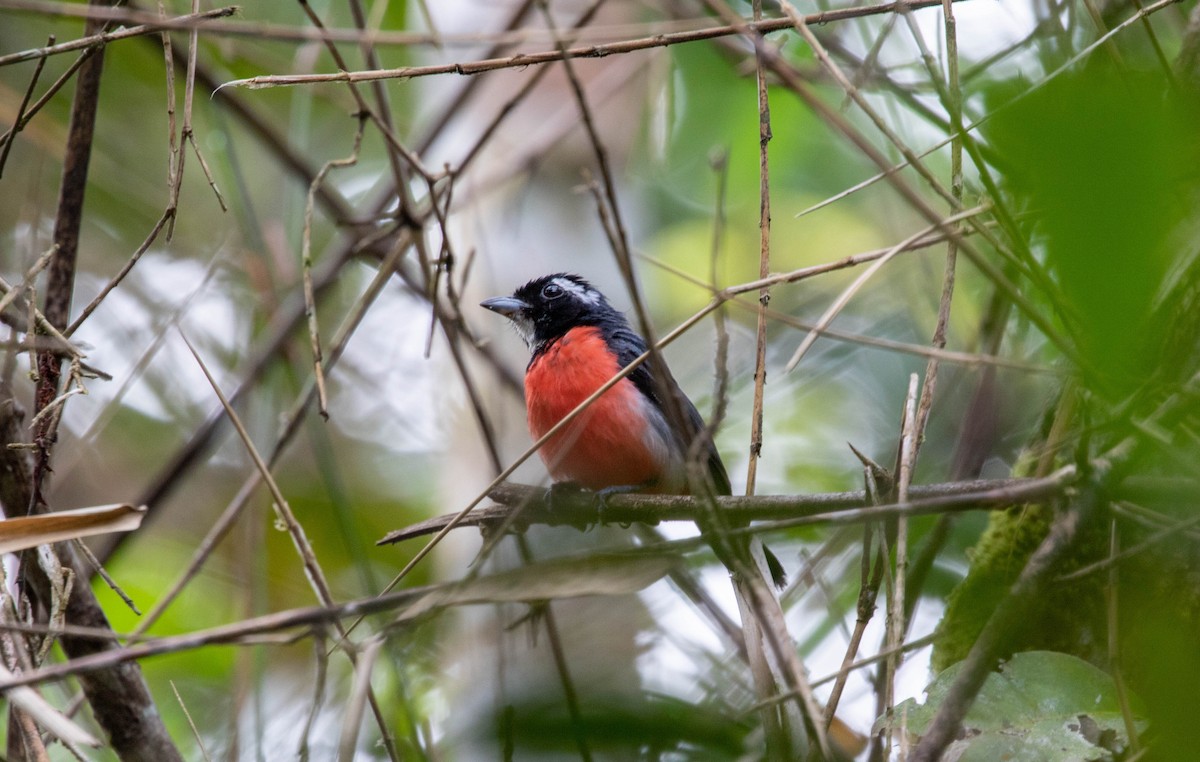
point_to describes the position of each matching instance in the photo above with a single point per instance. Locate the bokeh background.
(1081, 156)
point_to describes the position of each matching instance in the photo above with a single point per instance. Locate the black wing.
(629, 346)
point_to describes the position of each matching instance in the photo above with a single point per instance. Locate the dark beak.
(508, 306)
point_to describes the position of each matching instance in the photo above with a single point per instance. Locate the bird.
(626, 438)
(635, 437)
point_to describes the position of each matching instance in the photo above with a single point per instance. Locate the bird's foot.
(600, 500)
(561, 492)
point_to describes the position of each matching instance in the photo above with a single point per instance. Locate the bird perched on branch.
(640, 436)
(625, 439)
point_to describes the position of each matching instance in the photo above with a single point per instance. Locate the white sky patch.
(137, 319)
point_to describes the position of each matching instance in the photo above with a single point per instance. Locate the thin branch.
(312, 569)
(306, 264)
(359, 692)
(191, 723)
(783, 510)
(764, 266)
(870, 577)
(304, 549)
(18, 121)
(522, 60)
(64, 78)
(848, 293)
(103, 38)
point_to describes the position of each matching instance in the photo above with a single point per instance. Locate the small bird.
(624, 439)
(627, 439)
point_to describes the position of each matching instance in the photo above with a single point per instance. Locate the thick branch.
(119, 697)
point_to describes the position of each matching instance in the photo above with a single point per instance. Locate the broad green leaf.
(1041, 705)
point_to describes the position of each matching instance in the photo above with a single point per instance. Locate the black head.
(546, 308)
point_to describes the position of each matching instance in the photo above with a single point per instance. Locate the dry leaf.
(30, 531)
(45, 715)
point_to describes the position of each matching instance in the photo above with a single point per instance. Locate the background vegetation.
(996, 200)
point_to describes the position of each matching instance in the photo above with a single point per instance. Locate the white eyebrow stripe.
(589, 295)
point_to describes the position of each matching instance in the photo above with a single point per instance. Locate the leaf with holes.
(1041, 706)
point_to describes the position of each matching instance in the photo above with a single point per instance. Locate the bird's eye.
(552, 291)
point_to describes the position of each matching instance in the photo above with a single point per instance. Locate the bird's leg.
(561, 494)
(561, 491)
(566, 499)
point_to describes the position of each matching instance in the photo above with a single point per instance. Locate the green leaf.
(1041, 705)
(1105, 159)
(626, 727)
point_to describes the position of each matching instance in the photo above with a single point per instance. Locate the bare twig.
(870, 577)
(290, 427)
(523, 60)
(57, 85)
(191, 723)
(306, 265)
(304, 549)
(312, 569)
(764, 266)
(18, 121)
(103, 38)
(359, 692)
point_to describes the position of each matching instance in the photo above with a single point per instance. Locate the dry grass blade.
(53, 721)
(23, 532)
(586, 576)
(844, 298)
(312, 569)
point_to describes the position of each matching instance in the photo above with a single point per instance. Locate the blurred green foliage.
(1106, 158)
(1099, 166)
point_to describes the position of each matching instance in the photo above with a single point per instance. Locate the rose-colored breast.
(608, 444)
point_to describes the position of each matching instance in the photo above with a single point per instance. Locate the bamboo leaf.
(30, 531)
